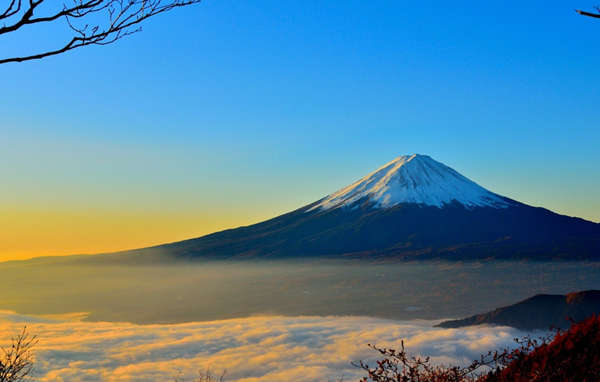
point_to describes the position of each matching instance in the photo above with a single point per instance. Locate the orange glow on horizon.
(33, 233)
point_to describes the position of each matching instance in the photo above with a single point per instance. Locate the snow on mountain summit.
(415, 179)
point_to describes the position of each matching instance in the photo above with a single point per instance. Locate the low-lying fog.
(219, 290)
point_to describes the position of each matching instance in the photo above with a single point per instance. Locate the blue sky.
(230, 112)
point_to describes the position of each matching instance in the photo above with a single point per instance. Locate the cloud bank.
(252, 349)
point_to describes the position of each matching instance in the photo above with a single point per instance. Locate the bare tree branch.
(11, 9)
(16, 361)
(92, 22)
(589, 14)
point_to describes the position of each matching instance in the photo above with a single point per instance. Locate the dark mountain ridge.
(407, 231)
(541, 311)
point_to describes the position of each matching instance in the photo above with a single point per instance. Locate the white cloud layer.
(252, 349)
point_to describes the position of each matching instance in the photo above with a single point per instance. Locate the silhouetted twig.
(16, 361)
(92, 22)
(589, 14)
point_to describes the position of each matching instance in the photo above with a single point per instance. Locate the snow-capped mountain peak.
(417, 179)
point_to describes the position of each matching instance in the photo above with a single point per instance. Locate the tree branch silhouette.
(16, 360)
(589, 14)
(92, 22)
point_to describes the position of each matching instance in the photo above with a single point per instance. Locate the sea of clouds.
(251, 349)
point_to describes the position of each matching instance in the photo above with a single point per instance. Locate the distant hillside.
(538, 312)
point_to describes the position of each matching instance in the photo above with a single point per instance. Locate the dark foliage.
(571, 356)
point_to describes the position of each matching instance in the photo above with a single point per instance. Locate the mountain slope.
(413, 208)
(542, 311)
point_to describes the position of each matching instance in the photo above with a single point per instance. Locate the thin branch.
(11, 9)
(16, 361)
(122, 19)
(589, 14)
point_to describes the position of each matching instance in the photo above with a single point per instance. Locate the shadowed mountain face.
(412, 208)
(542, 311)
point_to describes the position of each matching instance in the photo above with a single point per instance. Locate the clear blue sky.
(233, 111)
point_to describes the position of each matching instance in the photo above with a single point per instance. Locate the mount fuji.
(411, 208)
